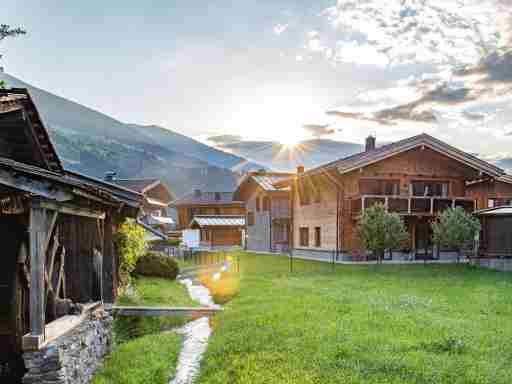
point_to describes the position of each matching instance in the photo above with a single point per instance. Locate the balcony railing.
(412, 205)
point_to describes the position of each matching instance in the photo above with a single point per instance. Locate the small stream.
(195, 334)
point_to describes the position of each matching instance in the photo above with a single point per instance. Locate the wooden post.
(37, 238)
(409, 203)
(108, 269)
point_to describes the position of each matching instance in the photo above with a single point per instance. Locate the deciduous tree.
(381, 231)
(7, 31)
(455, 228)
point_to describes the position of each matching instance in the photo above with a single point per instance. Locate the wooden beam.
(40, 188)
(108, 268)
(164, 311)
(72, 210)
(37, 237)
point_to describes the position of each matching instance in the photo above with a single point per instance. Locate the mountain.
(310, 153)
(92, 143)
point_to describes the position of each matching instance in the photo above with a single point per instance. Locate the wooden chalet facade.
(268, 211)
(491, 192)
(57, 236)
(416, 177)
(221, 205)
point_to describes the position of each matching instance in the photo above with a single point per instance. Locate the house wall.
(416, 164)
(258, 235)
(226, 236)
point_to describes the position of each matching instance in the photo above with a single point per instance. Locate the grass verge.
(148, 359)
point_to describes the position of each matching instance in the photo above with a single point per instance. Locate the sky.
(261, 70)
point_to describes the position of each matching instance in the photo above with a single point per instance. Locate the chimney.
(110, 176)
(300, 169)
(370, 143)
(197, 193)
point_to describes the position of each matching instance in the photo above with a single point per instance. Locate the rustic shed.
(57, 239)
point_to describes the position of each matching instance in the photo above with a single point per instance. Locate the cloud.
(225, 139)
(280, 28)
(319, 130)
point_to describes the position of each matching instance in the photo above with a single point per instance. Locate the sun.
(289, 141)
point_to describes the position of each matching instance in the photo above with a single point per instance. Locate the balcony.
(412, 205)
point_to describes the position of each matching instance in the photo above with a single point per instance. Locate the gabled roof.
(265, 180)
(219, 220)
(24, 131)
(137, 185)
(363, 159)
(206, 198)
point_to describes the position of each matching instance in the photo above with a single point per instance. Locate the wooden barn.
(57, 236)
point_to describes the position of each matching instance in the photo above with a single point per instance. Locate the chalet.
(157, 197)
(196, 209)
(416, 177)
(268, 211)
(58, 262)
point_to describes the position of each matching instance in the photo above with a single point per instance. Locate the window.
(217, 196)
(430, 188)
(304, 236)
(205, 235)
(250, 218)
(493, 202)
(318, 237)
(257, 204)
(379, 187)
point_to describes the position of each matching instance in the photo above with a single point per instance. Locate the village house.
(416, 177)
(58, 262)
(157, 197)
(268, 211)
(219, 218)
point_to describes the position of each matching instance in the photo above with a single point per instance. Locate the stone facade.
(74, 357)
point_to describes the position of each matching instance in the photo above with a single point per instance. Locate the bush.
(157, 264)
(131, 245)
(166, 243)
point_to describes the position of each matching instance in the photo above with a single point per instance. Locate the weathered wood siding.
(489, 190)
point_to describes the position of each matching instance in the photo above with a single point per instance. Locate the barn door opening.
(13, 298)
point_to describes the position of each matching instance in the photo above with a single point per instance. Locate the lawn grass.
(151, 292)
(148, 359)
(157, 292)
(144, 349)
(362, 324)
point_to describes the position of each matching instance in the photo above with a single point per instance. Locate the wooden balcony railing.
(412, 205)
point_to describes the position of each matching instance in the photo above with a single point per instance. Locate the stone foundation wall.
(73, 357)
(502, 265)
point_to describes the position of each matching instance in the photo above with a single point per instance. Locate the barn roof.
(23, 131)
(219, 220)
(30, 163)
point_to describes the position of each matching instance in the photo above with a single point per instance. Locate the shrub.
(157, 264)
(130, 244)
